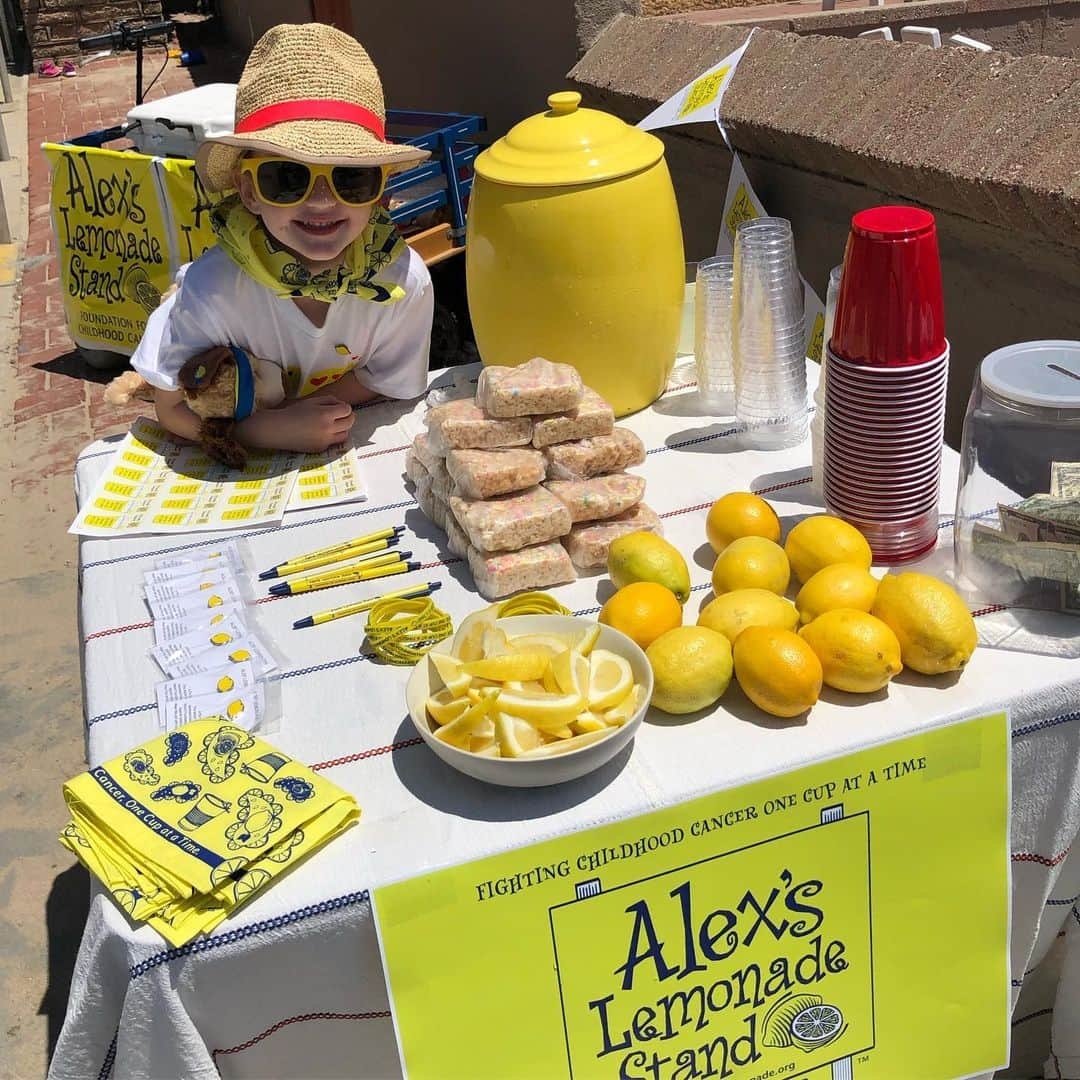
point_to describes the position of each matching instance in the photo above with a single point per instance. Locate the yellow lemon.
(858, 653)
(691, 668)
(444, 707)
(740, 514)
(731, 613)
(643, 556)
(509, 666)
(751, 562)
(642, 611)
(822, 540)
(513, 736)
(933, 625)
(840, 585)
(777, 670)
(449, 669)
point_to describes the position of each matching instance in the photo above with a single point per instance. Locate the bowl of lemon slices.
(530, 700)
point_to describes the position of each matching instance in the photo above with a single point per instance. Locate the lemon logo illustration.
(214, 601)
(240, 654)
(225, 684)
(216, 619)
(235, 709)
(206, 585)
(220, 639)
(816, 1025)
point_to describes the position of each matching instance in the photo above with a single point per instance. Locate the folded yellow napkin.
(189, 826)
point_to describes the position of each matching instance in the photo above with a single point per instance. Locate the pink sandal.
(68, 71)
(49, 70)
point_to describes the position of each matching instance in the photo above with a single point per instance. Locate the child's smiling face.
(317, 230)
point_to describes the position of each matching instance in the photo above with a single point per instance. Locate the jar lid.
(1043, 373)
(568, 145)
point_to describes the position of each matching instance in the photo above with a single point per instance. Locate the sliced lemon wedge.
(520, 667)
(494, 642)
(552, 644)
(571, 672)
(514, 736)
(587, 721)
(547, 711)
(468, 641)
(626, 708)
(566, 745)
(585, 643)
(444, 707)
(449, 669)
(476, 720)
(610, 679)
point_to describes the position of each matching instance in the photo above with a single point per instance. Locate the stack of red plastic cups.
(888, 372)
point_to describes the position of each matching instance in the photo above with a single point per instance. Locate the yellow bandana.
(259, 255)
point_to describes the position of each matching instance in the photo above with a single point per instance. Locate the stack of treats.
(528, 480)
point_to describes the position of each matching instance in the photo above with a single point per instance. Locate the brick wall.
(54, 26)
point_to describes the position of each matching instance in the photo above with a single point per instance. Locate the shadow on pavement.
(66, 909)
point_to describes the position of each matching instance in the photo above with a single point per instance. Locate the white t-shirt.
(218, 304)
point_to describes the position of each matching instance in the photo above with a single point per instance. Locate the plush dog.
(222, 386)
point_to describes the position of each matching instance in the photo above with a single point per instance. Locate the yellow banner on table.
(189, 208)
(849, 919)
(111, 241)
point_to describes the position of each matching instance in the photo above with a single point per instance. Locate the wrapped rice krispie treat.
(592, 416)
(536, 567)
(588, 543)
(530, 389)
(600, 498)
(463, 425)
(479, 474)
(414, 467)
(456, 540)
(423, 449)
(510, 522)
(432, 505)
(587, 458)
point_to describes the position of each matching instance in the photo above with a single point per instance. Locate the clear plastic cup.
(713, 333)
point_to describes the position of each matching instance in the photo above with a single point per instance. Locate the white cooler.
(174, 126)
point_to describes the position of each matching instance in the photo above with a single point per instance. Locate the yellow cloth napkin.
(189, 826)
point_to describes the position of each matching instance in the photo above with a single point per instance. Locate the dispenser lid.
(568, 145)
(1043, 373)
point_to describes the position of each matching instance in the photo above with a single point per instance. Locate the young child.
(309, 272)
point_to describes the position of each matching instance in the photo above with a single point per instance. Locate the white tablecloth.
(292, 986)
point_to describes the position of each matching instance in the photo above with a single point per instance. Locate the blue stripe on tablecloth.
(110, 1057)
(1062, 903)
(1042, 725)
(205, 944)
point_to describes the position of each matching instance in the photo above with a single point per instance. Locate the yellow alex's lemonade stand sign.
(124, 223)
(848, 919)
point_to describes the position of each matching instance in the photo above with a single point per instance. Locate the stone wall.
(55, 26)
(827, 126)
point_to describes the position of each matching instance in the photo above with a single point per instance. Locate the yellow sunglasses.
(285, 182)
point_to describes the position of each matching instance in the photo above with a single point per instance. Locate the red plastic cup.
(890, 311)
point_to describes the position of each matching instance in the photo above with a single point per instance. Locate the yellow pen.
(333, 549)
(366, 605)
(345, 573)
(360, 575)
(299, 566)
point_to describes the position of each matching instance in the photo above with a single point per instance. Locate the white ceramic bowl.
(534, 772)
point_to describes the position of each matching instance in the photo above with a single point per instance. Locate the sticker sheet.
(329, 477)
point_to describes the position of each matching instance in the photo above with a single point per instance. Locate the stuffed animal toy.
(222, 386)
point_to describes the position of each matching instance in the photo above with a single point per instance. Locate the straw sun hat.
(308, 92)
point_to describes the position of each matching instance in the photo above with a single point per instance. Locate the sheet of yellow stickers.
(187, 827)
(156, 485)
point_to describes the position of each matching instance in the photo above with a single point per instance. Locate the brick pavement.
(58, 405)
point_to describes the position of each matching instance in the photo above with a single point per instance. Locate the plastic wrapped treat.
(537, 567)
(588, 543)
(434, 508)
(510, 522)
(530, 389)
(456, 540)
(414, 467)
(586, 458)
(425, 451)
(480, 474)
(463, 425)
(600, 498)
(592, 416)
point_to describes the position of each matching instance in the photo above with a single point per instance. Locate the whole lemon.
(858, 653)
(841, 585)
(642, 611)
(933, 625)
(777, 670)
(733, 612)
(740, 513)
(751, 562)
(643, 556)
(691, 669)
(822, 540)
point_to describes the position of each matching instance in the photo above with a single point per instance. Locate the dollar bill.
(1023, 522)
(1052, 507)
(1030, 558)
(1065, 479)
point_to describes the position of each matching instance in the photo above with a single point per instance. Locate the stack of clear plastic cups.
(817, 421)
(769, 339)
(686, 323)
(713, 334)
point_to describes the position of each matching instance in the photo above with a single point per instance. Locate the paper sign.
(813, 322)
(698, 100)
(740, 204)
(849, 918)
(188, 207)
